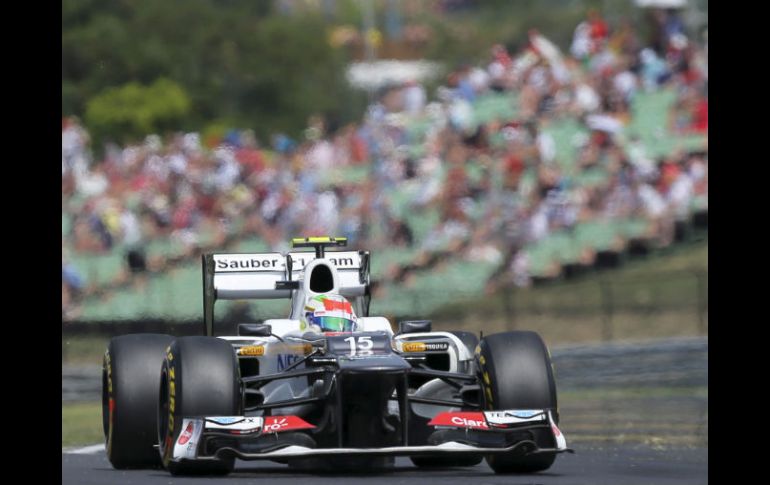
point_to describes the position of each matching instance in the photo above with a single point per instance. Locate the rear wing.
(253, 276)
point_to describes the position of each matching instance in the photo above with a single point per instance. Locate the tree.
(132, 110)
(237, 63)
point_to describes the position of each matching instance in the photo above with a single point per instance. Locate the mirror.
(255, 329)
(414, 326)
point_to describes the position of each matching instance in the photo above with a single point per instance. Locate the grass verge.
(664, 295)
(81, 424)
(83, 350)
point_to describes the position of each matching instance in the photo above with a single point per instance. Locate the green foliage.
(246, 62)
(133, 110)
(233, 58)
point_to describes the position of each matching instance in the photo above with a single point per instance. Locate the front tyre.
(130, 380)
(200, 376)
(516, 373)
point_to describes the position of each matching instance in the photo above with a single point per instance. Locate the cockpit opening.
(321, 279)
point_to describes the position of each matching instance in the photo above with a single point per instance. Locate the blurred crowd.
(186, 191)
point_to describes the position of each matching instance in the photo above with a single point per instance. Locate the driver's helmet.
(329, 313)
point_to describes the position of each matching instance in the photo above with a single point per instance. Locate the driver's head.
(329, 313)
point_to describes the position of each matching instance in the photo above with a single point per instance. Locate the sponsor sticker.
(239, 263)
(424, 346)
(341, 262)
(561, 441)
(187, 444)
(525, 413)
(185, 436)
(252, 350)
(470, 420)
(285, 360)
(225, 419)
(228, 263)
(235, 424)
(514, 416)
(280, 424)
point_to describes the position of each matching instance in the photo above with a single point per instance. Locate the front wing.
(285, 437)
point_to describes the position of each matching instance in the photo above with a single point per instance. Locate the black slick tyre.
(515, 373)
(130, 381)
(199, 376)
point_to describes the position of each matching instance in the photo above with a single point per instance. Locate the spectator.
(72, 289)
(495, 184)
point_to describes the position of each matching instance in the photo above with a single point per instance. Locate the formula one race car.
(329, 386)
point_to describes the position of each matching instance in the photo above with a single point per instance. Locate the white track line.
(86, 450)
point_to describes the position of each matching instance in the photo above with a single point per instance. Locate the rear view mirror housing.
(414, 326)
(255, 329)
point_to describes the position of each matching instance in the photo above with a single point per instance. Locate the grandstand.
(439, 264)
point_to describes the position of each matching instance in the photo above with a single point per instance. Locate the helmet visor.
(333, 324)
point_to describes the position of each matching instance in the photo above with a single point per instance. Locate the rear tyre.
(201, 377)
(130, 380)
(516, 373)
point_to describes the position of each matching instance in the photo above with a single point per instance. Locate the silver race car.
(329, 386)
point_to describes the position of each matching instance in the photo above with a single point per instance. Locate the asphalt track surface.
(597, 465)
